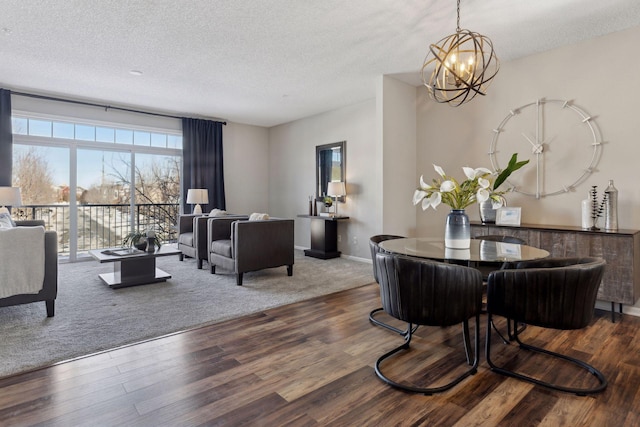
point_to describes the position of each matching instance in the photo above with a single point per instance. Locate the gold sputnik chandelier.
(463, 65)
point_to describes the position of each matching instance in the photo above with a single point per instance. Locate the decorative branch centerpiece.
(596, 209)
(481, 185)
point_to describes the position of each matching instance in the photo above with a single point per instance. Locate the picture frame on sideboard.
(508, 216)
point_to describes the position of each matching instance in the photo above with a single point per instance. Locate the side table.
(324, 236)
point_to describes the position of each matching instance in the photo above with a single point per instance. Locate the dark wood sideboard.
(621, 250)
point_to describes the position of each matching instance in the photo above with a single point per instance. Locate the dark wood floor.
(311, 363)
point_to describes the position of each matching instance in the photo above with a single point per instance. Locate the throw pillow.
(217, 212)
(258, 217)
(6, 221)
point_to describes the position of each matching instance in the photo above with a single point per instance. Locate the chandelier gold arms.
(459, 67)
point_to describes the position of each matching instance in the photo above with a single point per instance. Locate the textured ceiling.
(264, 62)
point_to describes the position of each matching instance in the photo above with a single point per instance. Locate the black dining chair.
(487, 267)
(557, 293)
(374, 246)
(430, 293)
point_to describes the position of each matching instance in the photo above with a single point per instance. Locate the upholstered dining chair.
(487, 267)
(557, 293)
(374, 246)
(430, 293)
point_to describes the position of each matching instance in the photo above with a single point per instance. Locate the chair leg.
(377, 322)
(213, 269)
(181, 257)
(199, 264)
(50, 303)
(579, 391)
(430, 390)
(289, 270)
(239, 279)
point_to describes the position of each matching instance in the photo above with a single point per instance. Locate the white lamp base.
(4, 210)
(197, 209)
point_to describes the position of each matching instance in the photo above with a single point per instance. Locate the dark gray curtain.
(6, 138)
(202, 161)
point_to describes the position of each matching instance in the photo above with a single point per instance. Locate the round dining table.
(479, 251)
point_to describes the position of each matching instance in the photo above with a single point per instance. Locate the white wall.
(593, 76)
(397, 139)
(246, 168)
(292, 174)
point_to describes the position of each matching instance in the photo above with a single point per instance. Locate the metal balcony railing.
(102, 225)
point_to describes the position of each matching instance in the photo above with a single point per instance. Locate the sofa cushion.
(221, 247)
(186, 239)
(258, 217)
(217, 212)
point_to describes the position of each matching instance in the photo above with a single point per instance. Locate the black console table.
(324, 236)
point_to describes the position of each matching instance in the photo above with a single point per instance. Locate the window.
(94, 182)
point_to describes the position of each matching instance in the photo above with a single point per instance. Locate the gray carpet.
(91, 317)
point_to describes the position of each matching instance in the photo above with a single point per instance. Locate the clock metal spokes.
(538, 136)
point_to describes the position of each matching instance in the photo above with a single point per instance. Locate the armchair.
(49, 290)
(192, 235)
(242, 245)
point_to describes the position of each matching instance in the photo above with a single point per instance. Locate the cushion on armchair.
(221, 247)
(186, 239)
(258, 217)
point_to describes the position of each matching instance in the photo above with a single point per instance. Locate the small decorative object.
(151, 241)
(138, 239)
(496, 199)
(315, 208)
(310, 205)
(587, 222)
(476, 188)
(458, 196)
(457, 231)
(611, 208)
(596, 209)
(508, 216)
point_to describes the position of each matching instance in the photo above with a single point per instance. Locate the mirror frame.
(343, 149)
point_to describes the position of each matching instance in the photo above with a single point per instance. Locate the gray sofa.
(49, 290)
(192, 235)
(242, 245)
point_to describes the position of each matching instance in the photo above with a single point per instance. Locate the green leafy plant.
(139, 237)
(513, 166)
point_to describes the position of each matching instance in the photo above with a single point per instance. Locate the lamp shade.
(197, 196)
(10, 196)
(336, 189)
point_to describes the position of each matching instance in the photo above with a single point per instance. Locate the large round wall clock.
(560, 140)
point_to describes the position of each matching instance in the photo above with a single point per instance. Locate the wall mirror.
(330, 166)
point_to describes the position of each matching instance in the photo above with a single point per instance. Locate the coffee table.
(133, 267)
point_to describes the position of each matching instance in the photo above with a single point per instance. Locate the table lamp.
(336, 189)
(195, 196)
(9, 196)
